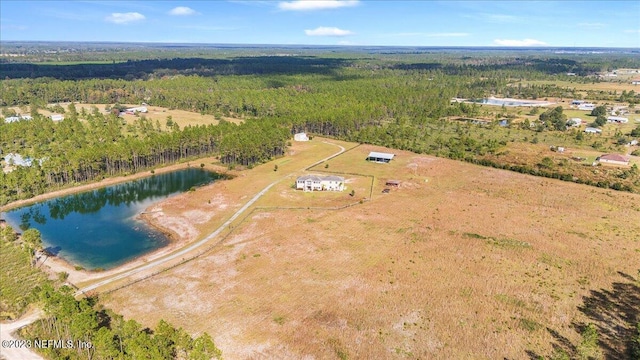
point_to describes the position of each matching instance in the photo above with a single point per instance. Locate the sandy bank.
(179, 227)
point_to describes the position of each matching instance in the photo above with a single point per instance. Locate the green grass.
(18, 279)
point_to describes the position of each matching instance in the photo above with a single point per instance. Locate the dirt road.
(207, 239)
(13, 348)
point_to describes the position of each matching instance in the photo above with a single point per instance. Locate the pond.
(100, 229)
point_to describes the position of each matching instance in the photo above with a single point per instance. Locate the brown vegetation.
(461, 261)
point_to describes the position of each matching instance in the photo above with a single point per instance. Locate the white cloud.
(327, 31)
(206, 27)
(451, 34)
(525, 42)
(633, 31)
(124, 18)
(500, 18)
(182, 11)
(493, 18)
(13, 27)
(310, 5)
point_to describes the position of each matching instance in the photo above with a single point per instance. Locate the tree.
(600, 121)
(7, 234)
(554, 119)
(204, 349)
(599, 111)
(32, 241)
(546, 162)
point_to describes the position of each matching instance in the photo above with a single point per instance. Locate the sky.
(328, 22)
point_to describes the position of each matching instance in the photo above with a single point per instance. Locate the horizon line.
(543, 47)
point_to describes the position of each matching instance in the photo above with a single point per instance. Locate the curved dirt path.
(185, 250)
(6, 334)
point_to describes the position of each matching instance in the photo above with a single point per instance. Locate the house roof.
(17, 159)
(614, 157)
(309, 177)
(380, 155)
(320, 178)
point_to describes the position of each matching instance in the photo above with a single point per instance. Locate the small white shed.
(301, 137)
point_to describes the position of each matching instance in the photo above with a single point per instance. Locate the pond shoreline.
(54, 265)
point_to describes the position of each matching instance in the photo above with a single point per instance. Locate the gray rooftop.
(380, 155)
(320, 178)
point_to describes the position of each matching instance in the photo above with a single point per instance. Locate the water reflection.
(100, 228)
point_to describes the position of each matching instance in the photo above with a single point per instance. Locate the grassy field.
(460, 261)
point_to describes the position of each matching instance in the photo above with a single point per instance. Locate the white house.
(57, 117)
(320, 183)
(635, 82)
(301, 137)
(575, 122)
(134, 110)
(17, 160)
(618, 119)
(592, 130)
(615, 159)
(586, 106)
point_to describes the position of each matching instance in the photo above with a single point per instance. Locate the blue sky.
(328, 22)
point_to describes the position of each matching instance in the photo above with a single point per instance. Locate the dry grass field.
(459, 262)
(617, 84)
(181, 117)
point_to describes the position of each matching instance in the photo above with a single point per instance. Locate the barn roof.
(380, 155)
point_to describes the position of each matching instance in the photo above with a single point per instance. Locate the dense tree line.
(373, 100)
(97, 333)
(74, 151)
(105, 335)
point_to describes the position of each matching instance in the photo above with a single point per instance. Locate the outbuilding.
(301, 137)
(615, 159)
(380, 157)
(592, 130)
(575, 122)
(586, 106)
(618, 119)
(395, 183)
(17, 160)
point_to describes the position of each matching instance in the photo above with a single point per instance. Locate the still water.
(99, 228)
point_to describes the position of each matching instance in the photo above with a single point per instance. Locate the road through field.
(205, 240)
